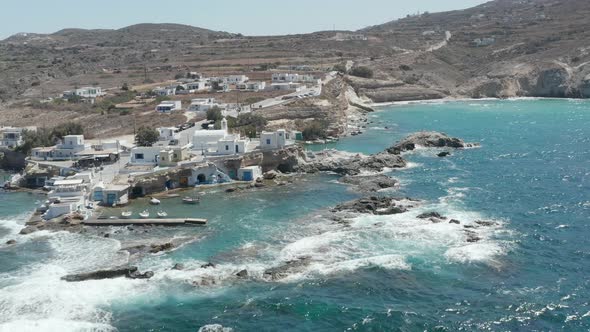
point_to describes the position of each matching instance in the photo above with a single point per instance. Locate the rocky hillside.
(504, 48)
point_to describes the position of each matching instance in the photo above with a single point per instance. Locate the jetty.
(145, 222)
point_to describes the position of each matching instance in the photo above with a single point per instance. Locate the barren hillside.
(503, 48)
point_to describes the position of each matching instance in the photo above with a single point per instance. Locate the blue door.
(111, 199)
(247, 176)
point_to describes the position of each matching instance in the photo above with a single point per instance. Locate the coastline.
(452, 100)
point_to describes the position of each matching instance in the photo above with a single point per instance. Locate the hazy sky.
(250, 17)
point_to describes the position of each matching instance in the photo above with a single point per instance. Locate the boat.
(191, 200)
(145, 214)
(162, 214)
(154, 201)
(126, 214)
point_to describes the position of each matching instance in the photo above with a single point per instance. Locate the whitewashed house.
(145, 155)
(236, 79)
(275, 139)
(12, 137)
(250, 173)
(219, 142)
(168, 133)
(89, 92)
(293, 78)
(163, 92)
(67, 150)
(202, 105)
(251, 86)
(169, 106)
(286, 86)
(197, 86)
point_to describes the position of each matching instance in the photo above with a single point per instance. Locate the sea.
(530, 270)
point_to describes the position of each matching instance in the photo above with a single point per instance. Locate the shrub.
(315, 130)
(362, 72)
(214, 114)
(146, 136)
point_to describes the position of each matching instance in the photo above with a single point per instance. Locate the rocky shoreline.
(362, 172)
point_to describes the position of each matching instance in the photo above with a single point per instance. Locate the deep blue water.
(393, 273)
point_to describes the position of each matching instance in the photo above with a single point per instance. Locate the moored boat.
(145, 214)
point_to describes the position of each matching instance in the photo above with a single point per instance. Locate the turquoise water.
(386, 273)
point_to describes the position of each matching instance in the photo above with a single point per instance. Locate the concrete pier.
(141, 222)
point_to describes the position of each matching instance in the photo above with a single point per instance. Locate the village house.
(12, 137)
(275, 139)
(198, 86)
(110, 195)
(250, 173)
(169, 106)
(66, 196)
(219, 142)
(236, 79)
(164, 92)
(251, 86)
(67, 150)
(286, 86)
(293, 78)
(89, 92)
(159, 155)
(202, 105)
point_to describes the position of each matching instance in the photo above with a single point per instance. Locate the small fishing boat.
(191, 200)
(154, 201)
(162, 214)
(145, 214)
(126, 214)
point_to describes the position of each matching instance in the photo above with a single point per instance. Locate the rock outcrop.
(130, 272)
(371, 183)
(373, 205)
(428, 139)
(290, 267)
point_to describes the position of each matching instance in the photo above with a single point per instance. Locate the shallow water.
(529, 272)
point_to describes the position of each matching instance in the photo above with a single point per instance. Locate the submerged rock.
(428, 139)
(372, 205)
(28, 230)
(10, 242)
(270, 175)
(178, 266)
(242, 274)
(290, 267)
(208, 265)
(128, 272)
(215, 328)
(454, 221)
(156, 248)
(370, 183)
(428, 215)
(444, 154)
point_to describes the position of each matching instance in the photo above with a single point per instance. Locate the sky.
(249, 17)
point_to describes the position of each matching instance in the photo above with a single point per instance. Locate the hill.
(503, 48)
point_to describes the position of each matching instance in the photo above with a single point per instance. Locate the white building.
(163, 92)
(168, 133)
(236, 79)
(66, 196)
(145, 155)
(219, 142)
(67, 150)
(202, 105)
(286, 86)
(197, 86)
(275, 139)
(12, 137)
(89, 92)
(293, 78)
(168, 106)
(249, 173)
(251, 86)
